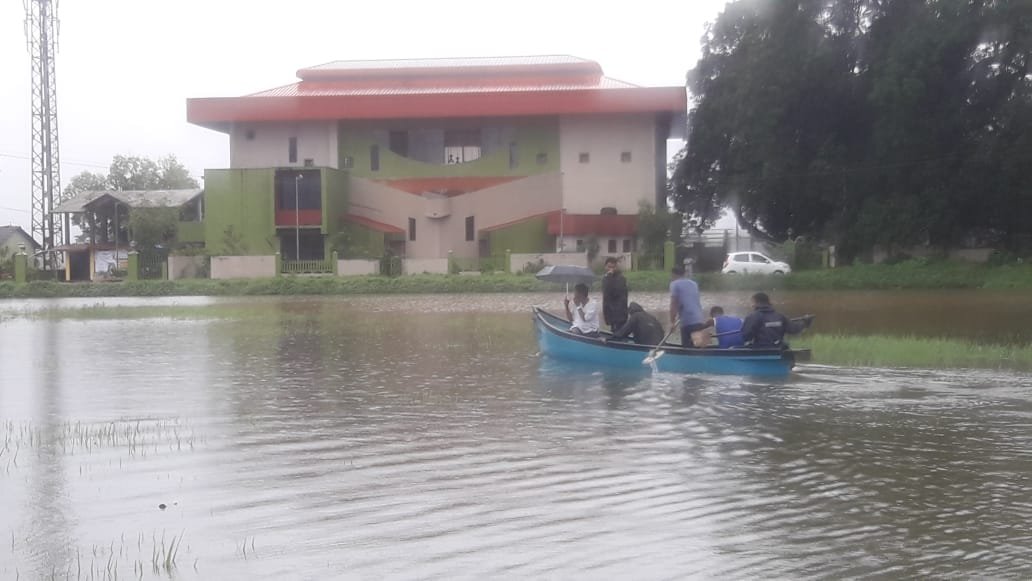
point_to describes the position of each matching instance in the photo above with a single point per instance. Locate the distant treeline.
(865, 122)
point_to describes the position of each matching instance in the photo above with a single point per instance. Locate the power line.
(64, 161)
(14, 209)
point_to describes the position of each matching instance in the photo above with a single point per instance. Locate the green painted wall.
(524, 237)
(531, 136)
(334, 203)
(190, 232)
(239, 211)
(357, 241)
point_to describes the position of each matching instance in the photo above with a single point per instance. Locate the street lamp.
(297, 217)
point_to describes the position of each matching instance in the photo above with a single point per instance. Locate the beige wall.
(270, 146)
(424, 266)
(243, 266)
(605, 181)
(492, 206)
(185, 267)
(357, 267)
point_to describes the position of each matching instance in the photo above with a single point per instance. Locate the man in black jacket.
(646, 329)
(614, 296)
(765, 328)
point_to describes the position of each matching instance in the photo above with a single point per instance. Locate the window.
(374, 158)
(461, 146)
(514, 156)
(348, 162)
(307, 191)
(249, 135)
(739, 258)
(292, 150)
(399, 143)
(580, 246)
(584, 157)
(542, 158)
(411, 228)
(627, 245)
(612, 245)
(470, 229)
(309, 162)
(625, 156)
(759, 258)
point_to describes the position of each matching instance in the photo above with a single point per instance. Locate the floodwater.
(422, 437)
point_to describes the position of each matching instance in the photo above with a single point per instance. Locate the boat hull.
(555, 340)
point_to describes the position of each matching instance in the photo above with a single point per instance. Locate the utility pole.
(41, 30)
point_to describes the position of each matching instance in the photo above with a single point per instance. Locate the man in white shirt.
(585, 312)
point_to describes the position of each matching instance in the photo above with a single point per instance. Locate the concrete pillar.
(668, 255)
(164, 270)
(507, 267)
(334, 266)
(134, 266)
(21, 268)
(452, 267)
(279, 264)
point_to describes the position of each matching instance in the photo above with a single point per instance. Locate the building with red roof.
(424, 157)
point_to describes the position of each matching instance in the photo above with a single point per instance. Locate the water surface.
(422, 437)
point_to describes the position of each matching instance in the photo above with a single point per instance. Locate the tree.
(864, 122)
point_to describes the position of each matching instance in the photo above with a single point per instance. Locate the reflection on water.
(421, 437)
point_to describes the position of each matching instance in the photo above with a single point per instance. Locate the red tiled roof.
(451, 186)
(372, 224)
(597, 224)
(504, 86)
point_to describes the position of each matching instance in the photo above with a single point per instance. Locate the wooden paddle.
(656, 353)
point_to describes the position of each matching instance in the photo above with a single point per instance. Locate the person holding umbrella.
(614, 296)
(585, 312)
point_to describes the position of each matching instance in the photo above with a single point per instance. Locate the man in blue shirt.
(685, 303)
(727, 329)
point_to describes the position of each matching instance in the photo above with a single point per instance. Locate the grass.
(921, 352)
(914, 274)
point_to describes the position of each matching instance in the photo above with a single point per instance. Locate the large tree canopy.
(134, 173)
(864, 122)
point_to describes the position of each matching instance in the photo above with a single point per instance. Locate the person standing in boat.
(643, 327)
(726, 329)
(614, 296)
(686, 306)
(765, 328)
(585, 312)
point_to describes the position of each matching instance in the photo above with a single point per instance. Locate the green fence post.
(279, 264)
(333, 257)
(134, 266)
(164, 269)
(452, 267)
(668, 255)
(508, 261)
(21, 268)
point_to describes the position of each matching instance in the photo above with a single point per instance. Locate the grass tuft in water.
(908, 351)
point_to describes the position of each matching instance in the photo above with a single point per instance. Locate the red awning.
(593, 224)
(372, 224)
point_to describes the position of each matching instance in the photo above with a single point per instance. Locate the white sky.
(126, 67)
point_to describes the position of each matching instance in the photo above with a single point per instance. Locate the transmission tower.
(41, 30)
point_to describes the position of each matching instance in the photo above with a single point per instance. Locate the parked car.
(753, 263)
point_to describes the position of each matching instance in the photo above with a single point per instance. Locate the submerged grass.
(909, 351)
(915, 274)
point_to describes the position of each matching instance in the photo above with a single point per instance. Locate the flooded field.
(422, 437)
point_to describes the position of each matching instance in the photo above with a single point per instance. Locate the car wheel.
(730, 272)
(779, 273)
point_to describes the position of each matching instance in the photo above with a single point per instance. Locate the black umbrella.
(567, 273)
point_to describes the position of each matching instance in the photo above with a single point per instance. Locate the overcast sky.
(126, 67)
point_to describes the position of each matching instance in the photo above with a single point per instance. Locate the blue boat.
(556, 340)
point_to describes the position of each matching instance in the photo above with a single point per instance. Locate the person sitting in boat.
(585, 312)
(643, 327)
(765, 328)
(727, 329)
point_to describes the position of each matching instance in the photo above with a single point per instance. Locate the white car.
(753, 263)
